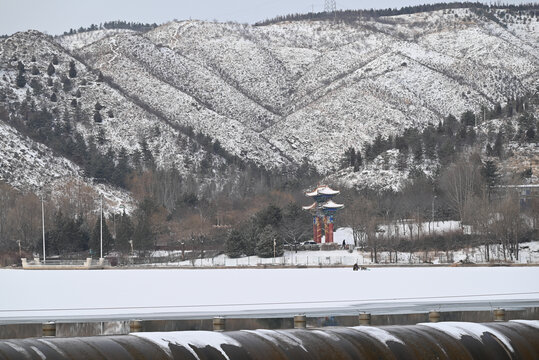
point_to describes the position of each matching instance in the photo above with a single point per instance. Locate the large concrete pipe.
(446, 340)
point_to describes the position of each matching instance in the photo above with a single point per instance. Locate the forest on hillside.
(244, 214)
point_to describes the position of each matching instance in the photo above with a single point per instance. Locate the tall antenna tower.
(330, 6)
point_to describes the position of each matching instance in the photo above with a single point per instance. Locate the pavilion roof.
(323, 190)
(310, 207)
(332, 205)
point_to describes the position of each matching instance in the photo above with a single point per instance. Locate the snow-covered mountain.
(275, 95)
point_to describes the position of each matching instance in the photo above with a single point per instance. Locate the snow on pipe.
(447, 340)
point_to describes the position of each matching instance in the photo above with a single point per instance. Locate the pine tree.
(124, 233)
(349, 157)
(20, 81)
(467, 118)
(265, 245)
(54, 98)
(235, 245)
(55, 59)
(20, 67)
(97, 117)
(418, 152)
(122, 168)
(72, 70)
(50, 69)
(359, 161)
(498, 145)
(35, 71)
(489, 171)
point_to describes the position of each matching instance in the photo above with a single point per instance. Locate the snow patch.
(379, 334)
(199, 339)
(460, 329)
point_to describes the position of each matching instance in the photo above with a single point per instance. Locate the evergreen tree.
(97, 117)
(498, 145)
(20, 81)
(124, 233)
(20, 67)
(349, 157)
(359, 161)
(468, 118)
(418, 152)
(143, 236)
(50, 69)
(122, 168)
(271, 215)
(99, 76)
(54, 98)
(95, 240)
(490, 174)
(72, 70)
(55, 59)
(489, 150)
(98, 106)
(265, 245)
(401, 144)
(35, 71)
(77, 93)
(530, 134)
(235, 245)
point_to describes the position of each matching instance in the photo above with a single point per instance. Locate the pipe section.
(517, 339)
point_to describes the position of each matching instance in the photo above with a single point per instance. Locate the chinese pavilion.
(323, 209)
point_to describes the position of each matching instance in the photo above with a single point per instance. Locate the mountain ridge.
(278, 95)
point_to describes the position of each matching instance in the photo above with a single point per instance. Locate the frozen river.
(41, 295)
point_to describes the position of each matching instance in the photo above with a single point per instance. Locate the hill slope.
(275, 95)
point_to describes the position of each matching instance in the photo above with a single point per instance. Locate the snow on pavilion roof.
(310, 207)
(331, 205)
(322, 190)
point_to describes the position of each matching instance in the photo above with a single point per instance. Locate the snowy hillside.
(275, 95)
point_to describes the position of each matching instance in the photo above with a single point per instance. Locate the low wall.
(13, 331)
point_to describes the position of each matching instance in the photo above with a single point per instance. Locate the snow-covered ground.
(39, 295)
(528, 252)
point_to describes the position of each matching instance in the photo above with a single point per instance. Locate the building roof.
(310, 207)
(322, 190)
(331, 205)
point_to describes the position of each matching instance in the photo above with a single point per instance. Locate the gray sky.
(56, 16)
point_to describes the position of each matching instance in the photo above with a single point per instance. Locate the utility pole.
(101, 230)
(330, 6)
(43, 226)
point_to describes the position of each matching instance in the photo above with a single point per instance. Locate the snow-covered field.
(528, 252)
(180, 293)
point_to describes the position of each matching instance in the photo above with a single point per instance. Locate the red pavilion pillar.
(315, 228)
(329, 235)
(318, 230)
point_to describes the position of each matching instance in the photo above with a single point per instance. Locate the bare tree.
(460, 181)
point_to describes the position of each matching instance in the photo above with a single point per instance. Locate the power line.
(330, 6)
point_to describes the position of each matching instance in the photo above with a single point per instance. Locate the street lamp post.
(43, 226)
(101, 230)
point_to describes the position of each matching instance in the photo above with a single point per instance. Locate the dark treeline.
(354, 15)
(118, 24)
(450, 137)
